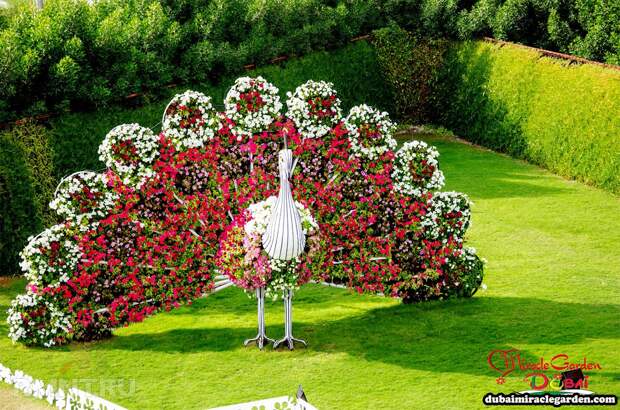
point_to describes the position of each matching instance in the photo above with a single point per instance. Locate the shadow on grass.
(453, 336)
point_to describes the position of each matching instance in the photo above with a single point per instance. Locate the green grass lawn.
(553, 287)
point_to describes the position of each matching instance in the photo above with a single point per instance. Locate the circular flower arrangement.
(416, 169)
(314, 108)
(83, 197)
(129, 150)
(466, 274)
(447, 216)
(242, 258)
(35, 320)
(189, 120)
(370, 132)
(51, 257)
(252, 104)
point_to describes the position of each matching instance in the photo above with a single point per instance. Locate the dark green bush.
(599, 34)
(410, 65)
(26, 187)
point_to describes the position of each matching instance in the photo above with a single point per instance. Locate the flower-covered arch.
(177, 210)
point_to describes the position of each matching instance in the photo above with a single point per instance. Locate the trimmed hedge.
(26, 187)
(561, 116)
(75, 55)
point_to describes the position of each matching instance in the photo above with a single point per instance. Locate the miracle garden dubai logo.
(558, 373)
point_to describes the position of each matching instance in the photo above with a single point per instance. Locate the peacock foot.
(289, 342)
(260, 340)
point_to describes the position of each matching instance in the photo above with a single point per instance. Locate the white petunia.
(248, 122)
(301, 111)
(145, 144)
(363, 119)
(190, 120)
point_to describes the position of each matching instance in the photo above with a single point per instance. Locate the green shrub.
(75, 54)
(26, 187)
(599, 38)
(410, 65)
(559, 115)
(523, 21)
(477, 21)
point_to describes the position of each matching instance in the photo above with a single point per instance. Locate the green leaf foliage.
(26, 187)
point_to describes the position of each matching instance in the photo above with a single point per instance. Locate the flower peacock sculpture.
(203, 206)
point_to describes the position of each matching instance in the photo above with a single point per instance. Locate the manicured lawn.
(553, 279)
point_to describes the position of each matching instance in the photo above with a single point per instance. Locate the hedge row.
(74, 138)
(26, 187)
(75, 55)
(550, 112)
(561, 116)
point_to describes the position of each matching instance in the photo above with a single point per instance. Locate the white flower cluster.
(410, 160)
(129, 150)
(261, 214)
(303, 114)
(36, 265)
(55, 397)
(454, 207)
(190, 120)
(283, 277)
(370, 132)
(248, 115)
(70, 189)
(56, 323)
(470, 256)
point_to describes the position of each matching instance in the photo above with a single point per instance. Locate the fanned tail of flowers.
(173, 210)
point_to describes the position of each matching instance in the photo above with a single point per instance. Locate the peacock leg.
(261, 338)
(288, 339)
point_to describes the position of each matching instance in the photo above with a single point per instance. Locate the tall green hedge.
(558, 114)
(562, 116)
(79, 56)
(26, 187)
